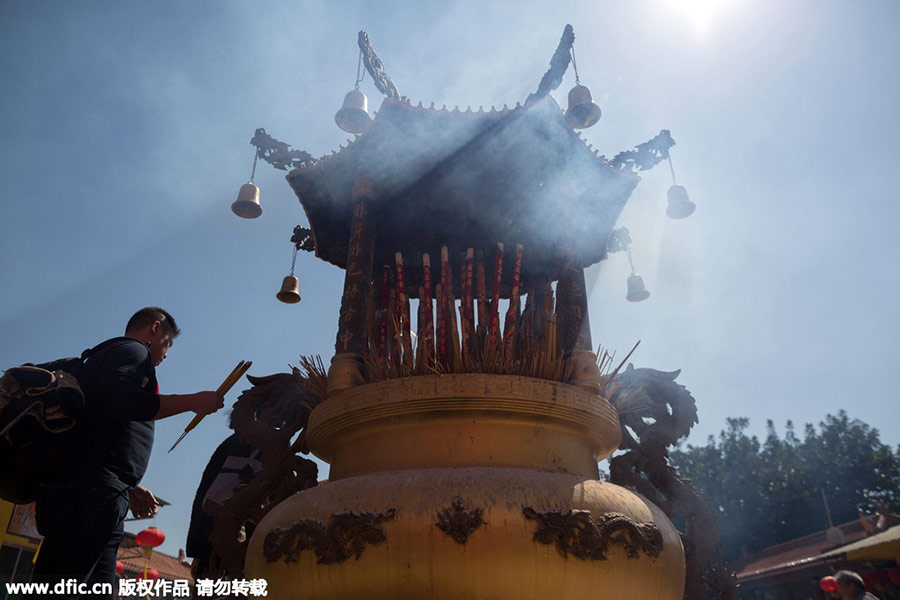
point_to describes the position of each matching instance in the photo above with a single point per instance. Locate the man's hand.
(143, 503)
(207, 402)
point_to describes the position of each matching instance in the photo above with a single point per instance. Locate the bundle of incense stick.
(382, 342)
(426, 318)
(481, 291)
(512, 313)
(528, 343)
(232, 378)
(538, 358)
(466, 312)
(314, 385)
(482, 304)
(492, 359)
(446, 290)
(403, 304)
(495, 291)
(607, 381)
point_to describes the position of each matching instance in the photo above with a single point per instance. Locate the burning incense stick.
(512, 313)
(466, 313)
(495, 290)
(426, 324)
(481, 291)
(444, 351)
(403, 305)
(441, 325)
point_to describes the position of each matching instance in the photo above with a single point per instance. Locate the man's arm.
(201, 403)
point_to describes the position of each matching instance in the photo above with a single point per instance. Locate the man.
(81, 515)
(852, 587)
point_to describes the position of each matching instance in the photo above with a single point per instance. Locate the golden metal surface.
(344, 373)
(463, 420)
(411, 454)
(499, 560)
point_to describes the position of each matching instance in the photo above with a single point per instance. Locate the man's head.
(850, 584)
(155, 328)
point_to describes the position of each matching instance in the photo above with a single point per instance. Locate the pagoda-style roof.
(469, 180)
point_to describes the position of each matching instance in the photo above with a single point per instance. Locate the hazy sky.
(125, 129)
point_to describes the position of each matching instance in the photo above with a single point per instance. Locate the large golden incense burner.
(466, 486)
(464, 458)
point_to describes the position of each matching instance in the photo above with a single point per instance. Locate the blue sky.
(125, 139)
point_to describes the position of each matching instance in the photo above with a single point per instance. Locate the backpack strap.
(87, 353)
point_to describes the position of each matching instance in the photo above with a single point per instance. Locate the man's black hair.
(850, 577)
(147, 315)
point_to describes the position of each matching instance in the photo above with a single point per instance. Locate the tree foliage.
(771, 491)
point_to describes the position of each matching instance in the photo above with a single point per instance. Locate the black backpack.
(40, 407)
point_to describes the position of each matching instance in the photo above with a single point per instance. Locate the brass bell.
(583, 112)
(353, 117)
(290, 290)
(636, 290)
(247, 203)
(680, 205)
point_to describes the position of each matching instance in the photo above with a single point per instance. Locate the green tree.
(771, 491)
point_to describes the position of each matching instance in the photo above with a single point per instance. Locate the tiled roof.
(810, 550)
(889, 537)
(796, 553)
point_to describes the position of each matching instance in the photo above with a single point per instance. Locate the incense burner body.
(466, 486)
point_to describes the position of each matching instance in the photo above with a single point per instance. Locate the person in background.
(198, 543)
(852, 587)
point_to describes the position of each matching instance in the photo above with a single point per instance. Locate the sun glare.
(700, 13)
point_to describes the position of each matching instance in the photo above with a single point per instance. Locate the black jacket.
(121, 396)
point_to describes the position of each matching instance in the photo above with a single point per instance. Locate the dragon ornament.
(271, 416)
(655, 412)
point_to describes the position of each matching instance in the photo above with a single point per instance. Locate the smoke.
(470, 179)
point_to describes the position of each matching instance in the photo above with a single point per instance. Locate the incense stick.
(223, 389)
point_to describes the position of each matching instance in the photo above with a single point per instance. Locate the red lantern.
(120, 567)
(150, 537)
(828, 584)
(894, 575)
(150, 574)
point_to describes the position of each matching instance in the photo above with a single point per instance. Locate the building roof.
(469, 179)
(881, 546)
(819, 547)
(797, 553)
